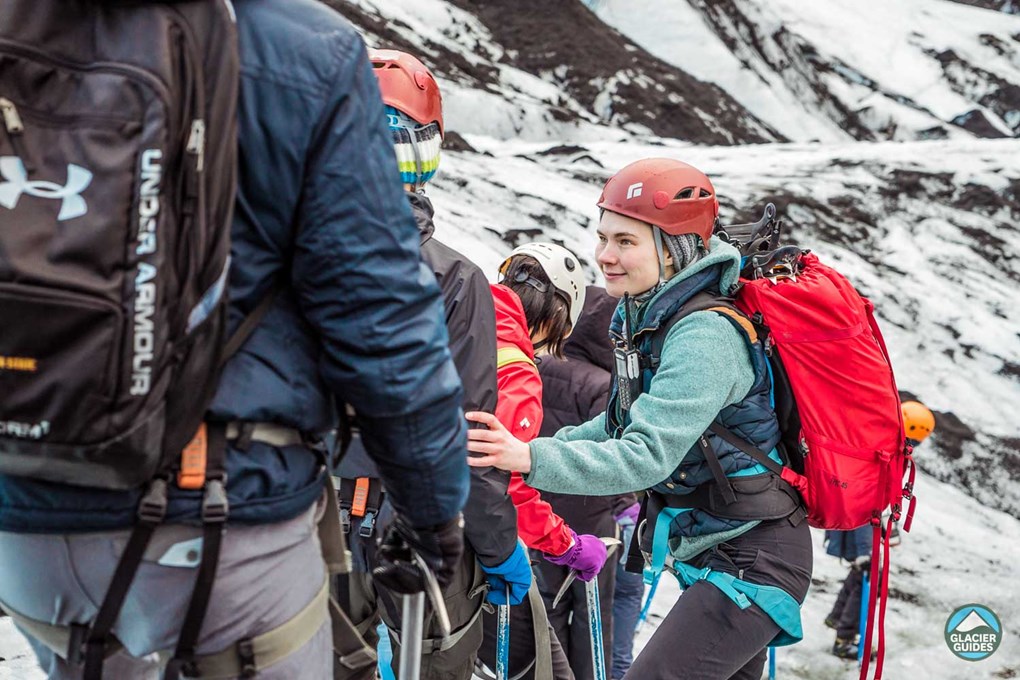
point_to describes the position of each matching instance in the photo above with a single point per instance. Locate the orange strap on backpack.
(360, 502)
(193, 461)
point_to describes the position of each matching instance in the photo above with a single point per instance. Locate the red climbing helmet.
(671, 195)
(408, 86)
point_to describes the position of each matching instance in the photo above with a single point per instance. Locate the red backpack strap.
(883, 601)
(873, 579)
(908, 490)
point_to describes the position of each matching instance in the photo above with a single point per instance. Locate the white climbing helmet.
(563, 269)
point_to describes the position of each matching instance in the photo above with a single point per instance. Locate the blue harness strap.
(776, 602)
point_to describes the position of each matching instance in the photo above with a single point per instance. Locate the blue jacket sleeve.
(360, 282)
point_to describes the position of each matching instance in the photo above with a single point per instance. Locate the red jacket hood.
(511, 324)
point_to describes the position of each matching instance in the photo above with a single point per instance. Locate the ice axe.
(611, 545)
(503, 639)
(591, 596)
(413, 619)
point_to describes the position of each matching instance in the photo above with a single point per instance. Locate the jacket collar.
(423, 211)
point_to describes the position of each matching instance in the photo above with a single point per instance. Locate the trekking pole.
(503, 639)
(648, 603)
(862, 627)
(413, 623)
(772, 663)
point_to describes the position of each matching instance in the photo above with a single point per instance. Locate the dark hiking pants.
(367, 605)
(706, 636)
(847, 610)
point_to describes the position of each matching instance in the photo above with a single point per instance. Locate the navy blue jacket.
(849, 545)
(318, 203)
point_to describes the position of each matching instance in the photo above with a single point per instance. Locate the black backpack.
(118, 164)
(117, 186)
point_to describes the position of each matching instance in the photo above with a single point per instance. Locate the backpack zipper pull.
(15, 132)
(12, 121)
(196, 143)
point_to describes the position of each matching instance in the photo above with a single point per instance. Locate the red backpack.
(835, 396)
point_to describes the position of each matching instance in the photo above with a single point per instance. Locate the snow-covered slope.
(911, 69)
(543, 70)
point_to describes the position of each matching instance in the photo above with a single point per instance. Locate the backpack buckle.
(345, 520)
(152, 508)
(215, 505)
(368, 524)
(246, 657)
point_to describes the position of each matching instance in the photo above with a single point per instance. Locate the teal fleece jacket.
(705, 367)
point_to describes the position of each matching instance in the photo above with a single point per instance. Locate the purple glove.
(629, 516)
(586, 556)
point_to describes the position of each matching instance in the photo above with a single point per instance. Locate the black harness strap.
(729, 495)
(215, 509)
(151, 511)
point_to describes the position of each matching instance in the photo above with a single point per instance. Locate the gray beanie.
(686, 249)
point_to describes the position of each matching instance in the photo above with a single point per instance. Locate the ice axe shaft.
(411, 636)
(598, 659)
(611, 545)
(503, 639)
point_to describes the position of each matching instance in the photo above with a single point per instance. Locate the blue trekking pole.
(863, 626)
(648, 602)
(772, 663)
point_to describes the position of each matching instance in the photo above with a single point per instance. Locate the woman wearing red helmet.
(691, 384)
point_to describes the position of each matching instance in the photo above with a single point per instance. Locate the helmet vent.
(705, 194)
(684, 193)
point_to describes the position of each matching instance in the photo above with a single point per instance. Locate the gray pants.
(266, 575)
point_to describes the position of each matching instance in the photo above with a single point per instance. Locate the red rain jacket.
(519, 408)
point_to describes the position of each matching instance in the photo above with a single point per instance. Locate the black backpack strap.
(723, 482)
(251, 321)
(635, 563)
(215, 509)
(753, 451)
(151, 511)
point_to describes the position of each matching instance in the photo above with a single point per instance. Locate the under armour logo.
(634, 190)
(72, 204)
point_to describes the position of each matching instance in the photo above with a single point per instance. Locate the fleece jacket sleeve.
(705, 367)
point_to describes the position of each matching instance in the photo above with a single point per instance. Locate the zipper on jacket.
(15, 131)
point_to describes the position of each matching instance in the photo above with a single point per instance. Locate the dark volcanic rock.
(542, 36)
(454, 142)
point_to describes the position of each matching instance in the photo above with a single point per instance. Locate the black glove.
(440, 547)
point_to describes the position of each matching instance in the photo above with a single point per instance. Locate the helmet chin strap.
(418, 186)
(659, 250)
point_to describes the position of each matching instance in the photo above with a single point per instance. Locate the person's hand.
(586, 556)
(496, 446)
(629, 516)
(515, 572)
(440, 547)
